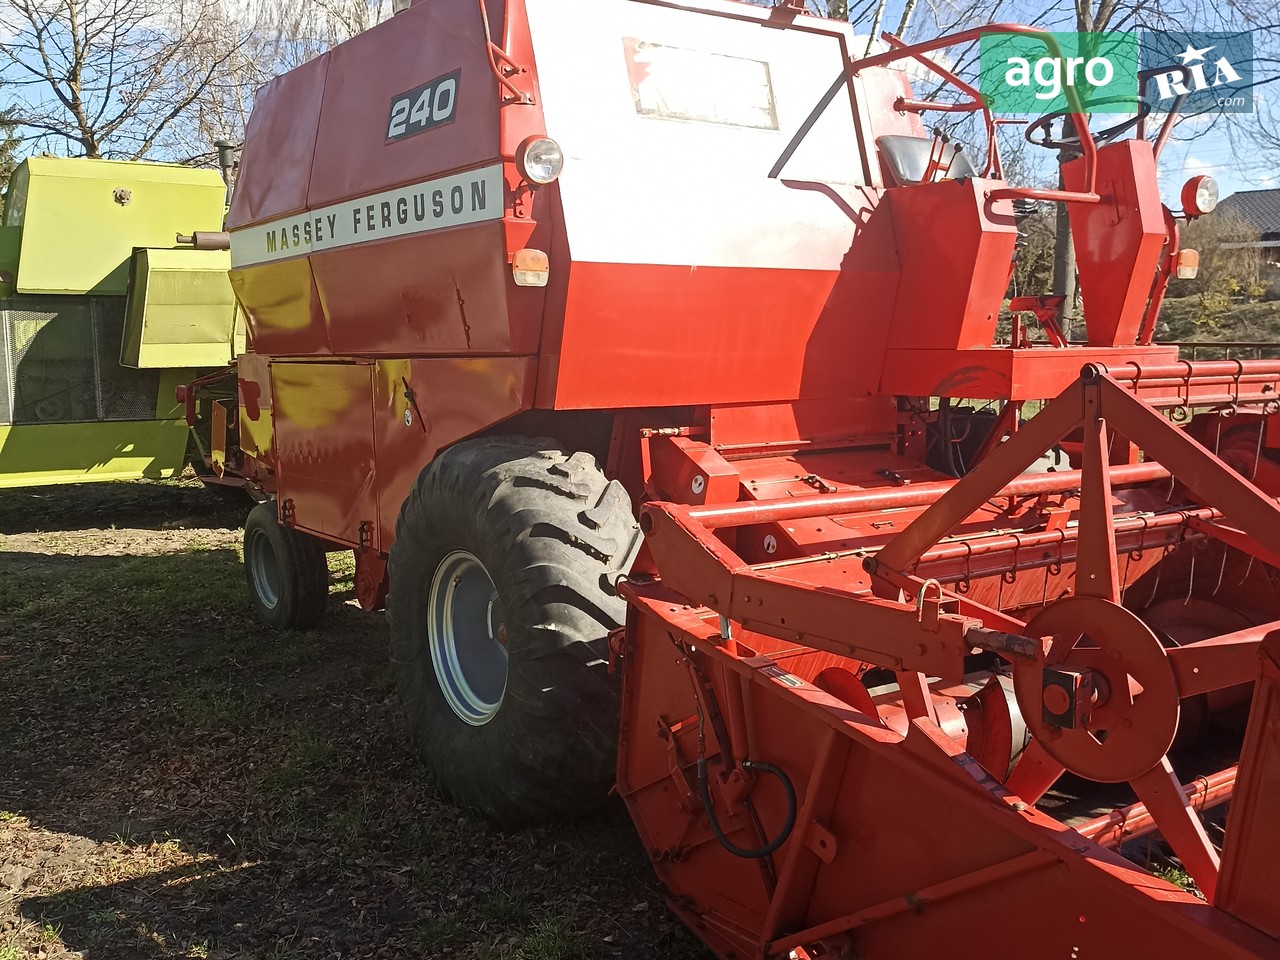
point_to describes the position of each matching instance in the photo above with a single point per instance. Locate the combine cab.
(103, 314)
(625, 344)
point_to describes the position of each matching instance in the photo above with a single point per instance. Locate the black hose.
(704, 792)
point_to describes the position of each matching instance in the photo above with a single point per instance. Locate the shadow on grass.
(141, 504)
(179, 782)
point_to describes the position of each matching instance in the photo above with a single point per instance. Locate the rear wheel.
(286, 571)
(501, 600)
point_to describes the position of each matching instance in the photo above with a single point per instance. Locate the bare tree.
(1230, 261)
(162, 79)
(275, 36)
(9, 143)
(111, 78)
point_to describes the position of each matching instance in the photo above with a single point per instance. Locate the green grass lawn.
(177, 782)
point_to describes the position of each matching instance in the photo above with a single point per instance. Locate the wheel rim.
(264, 568)
(466, 636)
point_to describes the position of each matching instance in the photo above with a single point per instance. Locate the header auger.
(629, 354)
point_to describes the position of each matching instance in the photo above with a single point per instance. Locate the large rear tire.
(286, 571)
(501, 600)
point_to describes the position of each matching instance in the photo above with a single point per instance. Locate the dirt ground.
(176, 782)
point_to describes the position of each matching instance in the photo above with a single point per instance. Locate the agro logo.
(429, 105)
(1219, 70)
(1057, 72)
(1048, 73)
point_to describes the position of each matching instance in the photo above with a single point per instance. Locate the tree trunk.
(875, 25)
(1064, 263)
(905, 22)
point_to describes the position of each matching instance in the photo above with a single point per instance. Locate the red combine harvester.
(624, 341)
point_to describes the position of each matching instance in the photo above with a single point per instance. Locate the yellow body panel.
(181, 310)
(82, 219)
(38, 454)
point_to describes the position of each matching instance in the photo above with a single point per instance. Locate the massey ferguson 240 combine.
(623, 342)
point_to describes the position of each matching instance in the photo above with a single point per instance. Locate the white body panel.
(689, 115)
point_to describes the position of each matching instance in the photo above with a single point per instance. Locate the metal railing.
(1225, 349)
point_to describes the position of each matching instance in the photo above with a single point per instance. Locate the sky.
(1197, 147)
(1218, 146)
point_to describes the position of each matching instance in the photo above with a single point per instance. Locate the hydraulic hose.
(704, 792)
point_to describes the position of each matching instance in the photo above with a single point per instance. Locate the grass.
(555, 938)
(186, 784)
(283, 950)
(139, 589)
(1177, 876)
(342, 572)
(349, 822)
(207, 706)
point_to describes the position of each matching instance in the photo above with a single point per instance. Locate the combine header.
(625, 344)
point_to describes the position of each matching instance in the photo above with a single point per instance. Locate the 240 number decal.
(432, 104)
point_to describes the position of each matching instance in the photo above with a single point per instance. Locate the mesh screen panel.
(61, 363)
(6, 388)
(51, 360)
(126, 393)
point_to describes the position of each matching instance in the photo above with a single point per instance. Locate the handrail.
(494, 53)
(1166, 128)
(915, 51)
(975, 102)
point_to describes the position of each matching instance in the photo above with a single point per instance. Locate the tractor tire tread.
(520, 504)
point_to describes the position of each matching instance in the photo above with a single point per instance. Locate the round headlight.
(540, 159)
(1199, 196)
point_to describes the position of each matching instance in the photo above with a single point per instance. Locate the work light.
(539, 159)
(1199, 196)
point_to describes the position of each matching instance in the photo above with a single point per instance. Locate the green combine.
(103, 313)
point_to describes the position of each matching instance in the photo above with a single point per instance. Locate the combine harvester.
(103, 313)
(622, 343)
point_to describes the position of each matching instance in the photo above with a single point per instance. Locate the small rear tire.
(286, 571)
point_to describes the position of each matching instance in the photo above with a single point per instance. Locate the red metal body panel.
(448, 400)
(951, 233)
(1120, 240)
(283, 313)
(280, 137)
(403, 310)
(999, 372)
(605, 358)
(324, 445)
(253, 391)
(353, 153)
